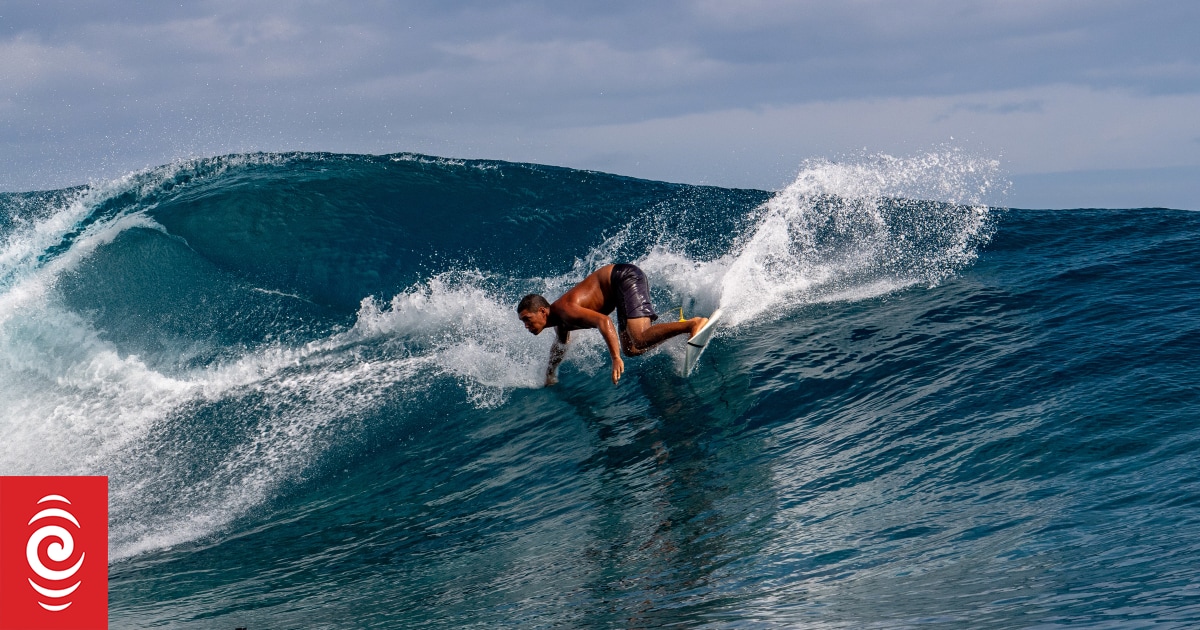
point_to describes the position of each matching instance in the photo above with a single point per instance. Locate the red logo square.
(53, 553)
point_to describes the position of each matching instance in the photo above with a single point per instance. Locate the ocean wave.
(907, 379)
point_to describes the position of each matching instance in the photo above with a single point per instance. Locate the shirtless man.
(621, 287)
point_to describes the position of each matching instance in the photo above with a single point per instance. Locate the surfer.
(619, 287)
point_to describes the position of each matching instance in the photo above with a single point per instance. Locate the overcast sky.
(1085, 103)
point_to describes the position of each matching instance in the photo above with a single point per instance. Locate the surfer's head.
(533, 311)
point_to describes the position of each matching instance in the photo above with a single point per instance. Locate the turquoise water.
(305, 379)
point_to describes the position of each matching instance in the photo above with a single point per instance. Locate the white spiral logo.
(59, 551)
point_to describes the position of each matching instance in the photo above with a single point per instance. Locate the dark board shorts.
(630, 284)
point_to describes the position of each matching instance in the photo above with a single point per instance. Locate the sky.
(1084, 103)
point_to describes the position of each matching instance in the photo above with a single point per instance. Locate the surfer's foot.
(697, 323)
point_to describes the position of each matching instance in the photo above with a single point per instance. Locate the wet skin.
(588, 305)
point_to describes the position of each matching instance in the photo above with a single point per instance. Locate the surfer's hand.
(551, 380)
(618, 368)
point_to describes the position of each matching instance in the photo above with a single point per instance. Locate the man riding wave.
(619, 287)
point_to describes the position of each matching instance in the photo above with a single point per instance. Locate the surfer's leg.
(635, 313)
(639, 335)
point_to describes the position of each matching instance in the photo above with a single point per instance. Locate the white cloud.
(594, 64)
(733, 93)
(28, 64)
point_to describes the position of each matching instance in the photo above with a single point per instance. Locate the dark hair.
(531, 302)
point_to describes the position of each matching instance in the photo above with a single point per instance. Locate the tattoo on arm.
(558, 351)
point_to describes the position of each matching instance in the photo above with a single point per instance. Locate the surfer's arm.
(557, 352)
(579, 317)
(614, 347)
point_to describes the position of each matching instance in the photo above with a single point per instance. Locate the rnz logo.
(61, 551)
(53, 552)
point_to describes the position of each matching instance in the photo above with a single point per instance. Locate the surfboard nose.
(697, 343)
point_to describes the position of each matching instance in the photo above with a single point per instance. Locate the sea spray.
(850, 229)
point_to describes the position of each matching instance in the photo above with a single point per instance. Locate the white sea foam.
(836, 230)
(471, 333)
(76, 404)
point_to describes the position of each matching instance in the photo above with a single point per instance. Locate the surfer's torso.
(594, 293)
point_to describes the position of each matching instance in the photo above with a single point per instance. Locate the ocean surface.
(305, 379)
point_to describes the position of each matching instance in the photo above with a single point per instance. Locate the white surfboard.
(696, 345)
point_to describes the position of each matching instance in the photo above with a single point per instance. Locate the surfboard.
(696, 345)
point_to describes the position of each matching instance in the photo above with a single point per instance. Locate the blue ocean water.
(305, 379)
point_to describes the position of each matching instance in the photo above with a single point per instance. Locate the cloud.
(734, 93)
(1072, 129)
(1011, 107)
(30, 65)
